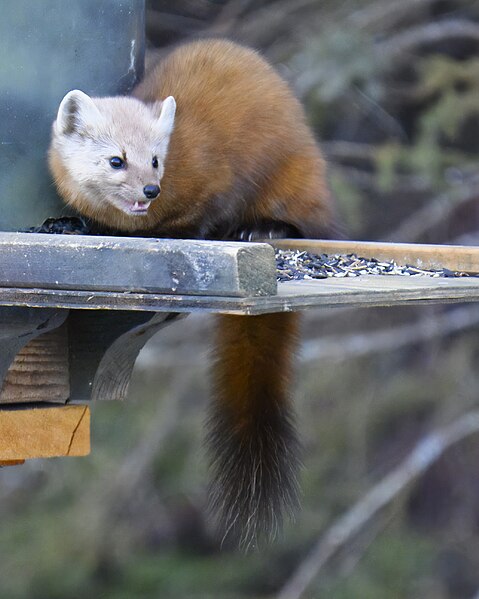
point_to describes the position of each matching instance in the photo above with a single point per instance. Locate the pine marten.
(212, 145)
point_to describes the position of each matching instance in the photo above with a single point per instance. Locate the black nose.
(151, 191)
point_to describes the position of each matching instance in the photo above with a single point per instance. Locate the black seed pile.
(296, 265)
(66, 225)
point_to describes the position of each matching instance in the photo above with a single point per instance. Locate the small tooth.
(136, 205)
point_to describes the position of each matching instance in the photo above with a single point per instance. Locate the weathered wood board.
(367, 290)
(29, 260)
(454, 257)
(229, 295)
(43, 432)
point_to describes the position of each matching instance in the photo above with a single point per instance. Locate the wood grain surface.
(40, 371)
(44, 432)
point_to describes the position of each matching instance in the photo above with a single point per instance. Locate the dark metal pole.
(48, 47)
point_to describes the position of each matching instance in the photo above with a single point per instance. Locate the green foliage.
(351, 202)
(449, 89)
(398, 556)
(147, 576)
(389, 159)
(453, 89)
(442, 75)
(331, 64)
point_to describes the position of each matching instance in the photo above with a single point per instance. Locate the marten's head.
(107, 156)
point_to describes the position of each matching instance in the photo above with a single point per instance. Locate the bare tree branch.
(158, 22)
(268, 18)
(331, 348)
(435, 211)
(338, 349)
(426, 452)
(109, 498)
(369, 181)
(348, 150)
(384, 15)
(228, 16)
(401, 45)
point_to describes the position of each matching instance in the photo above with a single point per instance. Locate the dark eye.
(154, 162)
(117, 162)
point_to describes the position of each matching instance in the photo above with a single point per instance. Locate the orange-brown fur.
(241, 162)
(240, 145)
(251, 431)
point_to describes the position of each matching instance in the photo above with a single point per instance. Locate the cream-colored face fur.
(113, 148)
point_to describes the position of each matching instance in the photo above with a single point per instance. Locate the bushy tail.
(252, 440)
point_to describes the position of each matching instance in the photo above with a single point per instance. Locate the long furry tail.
(252, 441)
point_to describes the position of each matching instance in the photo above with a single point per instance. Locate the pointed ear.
(166, 120)
(77, 112)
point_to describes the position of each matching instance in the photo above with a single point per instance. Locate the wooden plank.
(39, 371)
(367, 290)
(29, 260)
(454, 257)
(44, 432)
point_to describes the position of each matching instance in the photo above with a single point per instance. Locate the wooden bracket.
(63, 356)
(103, 347)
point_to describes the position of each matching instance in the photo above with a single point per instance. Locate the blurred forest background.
(392, 90)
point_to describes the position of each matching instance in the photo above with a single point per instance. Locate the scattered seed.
(298, 265)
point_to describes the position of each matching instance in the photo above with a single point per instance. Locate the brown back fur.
(241, 152)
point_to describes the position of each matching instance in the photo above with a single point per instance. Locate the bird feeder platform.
(76, 310)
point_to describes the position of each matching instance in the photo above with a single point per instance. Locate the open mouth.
(137, 208)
